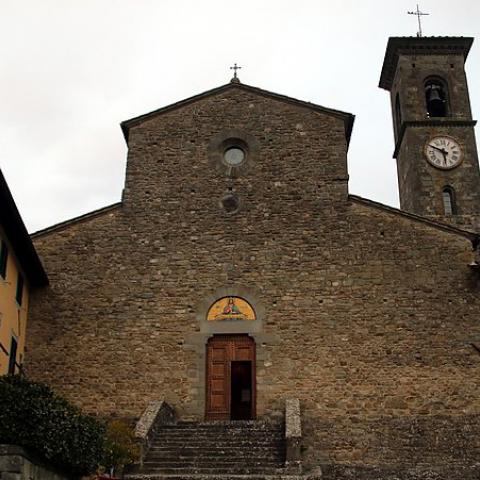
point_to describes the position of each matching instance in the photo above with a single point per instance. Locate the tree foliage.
(34, 417)
(120, 448)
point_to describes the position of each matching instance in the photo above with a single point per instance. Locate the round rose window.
(234, 156)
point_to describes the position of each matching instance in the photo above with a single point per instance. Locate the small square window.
(19, 294)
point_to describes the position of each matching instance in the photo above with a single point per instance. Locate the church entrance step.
(207, 463)
(221, 456)
(220, 468)
(193, 476)
(247, 475)
(212, 445)
(218, 453)
(253, 450)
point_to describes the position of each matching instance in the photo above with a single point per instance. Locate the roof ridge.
(412, 216)
(347, 117)
(79, 218)
(17, 235)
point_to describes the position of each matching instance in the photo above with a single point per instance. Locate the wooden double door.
(230, 378)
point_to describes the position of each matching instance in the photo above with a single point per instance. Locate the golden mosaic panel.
(231, 308)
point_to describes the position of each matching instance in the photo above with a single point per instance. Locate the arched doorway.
(230, 378)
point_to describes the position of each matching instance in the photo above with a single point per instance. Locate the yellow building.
(20, 271)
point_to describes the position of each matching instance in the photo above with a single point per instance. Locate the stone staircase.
(186, 450)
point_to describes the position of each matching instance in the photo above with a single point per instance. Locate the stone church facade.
(238, 255)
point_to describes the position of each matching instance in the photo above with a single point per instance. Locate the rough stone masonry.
(367, 314)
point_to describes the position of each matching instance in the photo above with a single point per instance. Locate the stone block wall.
(367, 315)
(412, 70)
(422, 185)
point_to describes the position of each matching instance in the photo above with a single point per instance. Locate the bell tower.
(435, 148)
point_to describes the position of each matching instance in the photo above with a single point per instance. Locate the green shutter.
(19, 295)
(3, 259)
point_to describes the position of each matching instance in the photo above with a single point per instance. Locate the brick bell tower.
(435, 148)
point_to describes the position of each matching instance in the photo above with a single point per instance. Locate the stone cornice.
(419, 46)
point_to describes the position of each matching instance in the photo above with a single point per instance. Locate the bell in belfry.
(435, 101)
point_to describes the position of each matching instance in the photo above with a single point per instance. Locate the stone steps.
(220, 467)
(258, 435)
(211, 444)
(192, 456)
(249, 450)
(207, 462)
(206, 471)
(207, 456)
(199, 476)
(213, 441)
(219, 444)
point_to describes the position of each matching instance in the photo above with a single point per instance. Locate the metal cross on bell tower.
(418, 13)
(235, 79)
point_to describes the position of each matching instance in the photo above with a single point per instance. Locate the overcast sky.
(72, 70)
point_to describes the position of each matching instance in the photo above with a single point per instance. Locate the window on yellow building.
(19, 294)
(12, 361)
(3, 259)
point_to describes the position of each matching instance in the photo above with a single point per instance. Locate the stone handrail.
(293, 434)
(156, 414)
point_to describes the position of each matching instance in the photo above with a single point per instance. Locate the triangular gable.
(347, 118)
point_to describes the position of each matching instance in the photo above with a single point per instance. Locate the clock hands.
(443, 151)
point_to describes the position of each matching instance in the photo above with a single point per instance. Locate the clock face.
(443, 152)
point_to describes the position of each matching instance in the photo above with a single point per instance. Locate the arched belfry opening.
(436, 97)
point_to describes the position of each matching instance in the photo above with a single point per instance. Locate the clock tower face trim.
(443, 152)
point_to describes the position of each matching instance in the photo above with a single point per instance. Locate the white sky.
(72, 70)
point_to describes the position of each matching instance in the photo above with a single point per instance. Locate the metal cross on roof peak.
(418, 13)
(235, 68)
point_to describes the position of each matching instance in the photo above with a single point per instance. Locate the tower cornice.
(419, 46)
(439, 122)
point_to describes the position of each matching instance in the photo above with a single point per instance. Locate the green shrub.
(34, 417)
(120, 448)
